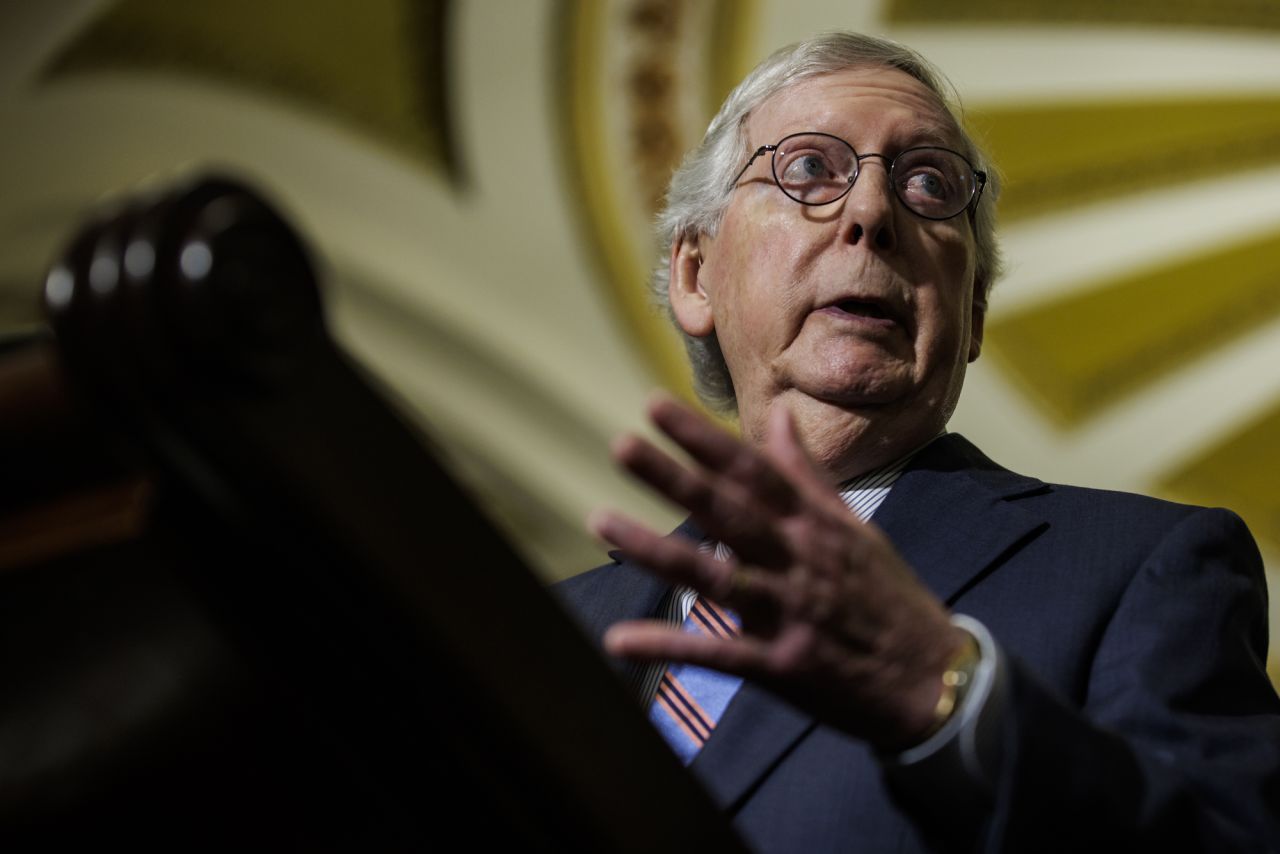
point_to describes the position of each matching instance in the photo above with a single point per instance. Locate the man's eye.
(928, 185)
(806, 169)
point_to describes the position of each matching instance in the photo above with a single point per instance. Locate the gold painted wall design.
(1056, 156)
(1250, 14)
(379, 66)
(639, 79)
(1235, 473)
(1078, 354)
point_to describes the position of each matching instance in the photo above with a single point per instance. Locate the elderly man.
(933, 651)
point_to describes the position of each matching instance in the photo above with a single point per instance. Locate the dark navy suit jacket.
(1140, 715)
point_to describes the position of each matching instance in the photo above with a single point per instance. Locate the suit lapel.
(616, 593)
(951, 518)
(611, 594)
(754, 733)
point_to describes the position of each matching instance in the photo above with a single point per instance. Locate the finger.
(758, 597)
(650, 640)
(675, 481)
(788, 454)
(722, 509)
(754, 594)
(722, 453)
(673, 559)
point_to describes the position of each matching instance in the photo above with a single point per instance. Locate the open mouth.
(863, 309)
(869, 312)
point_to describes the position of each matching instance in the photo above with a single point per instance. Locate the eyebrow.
(923, 133)
(936, 134)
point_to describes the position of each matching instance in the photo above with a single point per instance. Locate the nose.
(869, 206)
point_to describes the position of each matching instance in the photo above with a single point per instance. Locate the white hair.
(701, 188)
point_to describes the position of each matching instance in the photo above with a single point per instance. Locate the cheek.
(760, 278)
(946, 308)
(953, 256)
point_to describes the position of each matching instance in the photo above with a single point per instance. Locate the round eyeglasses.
(816, 168)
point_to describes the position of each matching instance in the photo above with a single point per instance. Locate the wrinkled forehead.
(839, 102)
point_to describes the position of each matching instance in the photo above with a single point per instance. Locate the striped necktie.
(691, 699)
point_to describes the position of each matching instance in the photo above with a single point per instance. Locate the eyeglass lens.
(817, 169)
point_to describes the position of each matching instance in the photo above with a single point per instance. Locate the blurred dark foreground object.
(242, 607)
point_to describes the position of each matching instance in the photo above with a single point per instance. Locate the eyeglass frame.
(980, 177)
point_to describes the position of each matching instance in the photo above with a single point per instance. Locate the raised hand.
(833, 619)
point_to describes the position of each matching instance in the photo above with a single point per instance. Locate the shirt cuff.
(962, 756)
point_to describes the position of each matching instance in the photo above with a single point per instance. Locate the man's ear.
(690, 300)
(977, 320)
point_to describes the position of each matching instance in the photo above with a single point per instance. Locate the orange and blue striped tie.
(691, 699)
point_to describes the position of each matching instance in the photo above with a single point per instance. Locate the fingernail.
(614, 640)
(598, 522)
(622, 445)
(657, 400)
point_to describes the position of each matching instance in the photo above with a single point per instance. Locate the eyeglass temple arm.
(982, 185)
(764, 149)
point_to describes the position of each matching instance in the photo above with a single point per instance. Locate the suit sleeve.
(1177, 746)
